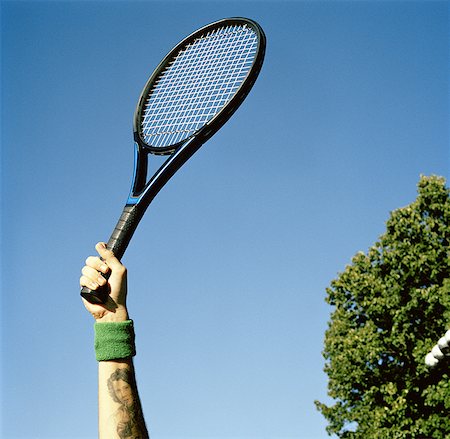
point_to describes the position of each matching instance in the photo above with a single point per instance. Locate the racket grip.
(118, 243)
(124, 230)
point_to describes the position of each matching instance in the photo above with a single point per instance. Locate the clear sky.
(228, 269)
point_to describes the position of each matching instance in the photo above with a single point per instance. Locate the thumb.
(107, 255)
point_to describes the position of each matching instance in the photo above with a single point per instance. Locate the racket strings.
(198, 82)
(195, 86)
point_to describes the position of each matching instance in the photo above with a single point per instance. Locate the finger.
(96, 263)
(89, 283)
(108, 256)
(93, 275)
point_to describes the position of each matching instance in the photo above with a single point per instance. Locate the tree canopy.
(390, 306)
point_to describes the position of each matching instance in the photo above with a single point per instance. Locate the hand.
(114, 310)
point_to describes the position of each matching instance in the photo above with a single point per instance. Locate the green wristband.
(114, 340)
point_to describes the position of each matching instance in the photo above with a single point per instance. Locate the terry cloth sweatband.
(114, 340)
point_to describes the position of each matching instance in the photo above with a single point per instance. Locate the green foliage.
(391, 306)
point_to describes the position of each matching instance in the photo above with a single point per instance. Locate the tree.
(390, 307)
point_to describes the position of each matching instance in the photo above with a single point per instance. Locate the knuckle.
(93, 261)
(89, 260)
(89, 272)
(83, 281)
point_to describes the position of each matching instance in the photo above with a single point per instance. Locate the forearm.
(120, 411)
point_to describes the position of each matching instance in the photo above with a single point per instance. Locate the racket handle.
(98, 296)
(118, 243)
(124, 230)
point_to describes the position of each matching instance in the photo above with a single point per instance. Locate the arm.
(120, 412)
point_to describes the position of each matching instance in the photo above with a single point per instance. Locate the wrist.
(120, 314)
(114, 340)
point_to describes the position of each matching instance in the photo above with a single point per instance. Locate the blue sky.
(228, 269)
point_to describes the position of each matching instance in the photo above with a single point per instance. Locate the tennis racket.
(190, 95)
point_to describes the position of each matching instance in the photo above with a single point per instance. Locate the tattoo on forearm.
(129, 419)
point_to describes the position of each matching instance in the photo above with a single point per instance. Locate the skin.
(120, 411)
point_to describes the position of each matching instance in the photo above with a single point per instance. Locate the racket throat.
(140, 173)
(145, 195)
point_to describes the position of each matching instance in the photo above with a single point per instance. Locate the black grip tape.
(125, 227)
(98, 296)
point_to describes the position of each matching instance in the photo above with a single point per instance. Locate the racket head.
(199, 84)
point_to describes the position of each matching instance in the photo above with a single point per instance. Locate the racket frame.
(143, 191)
